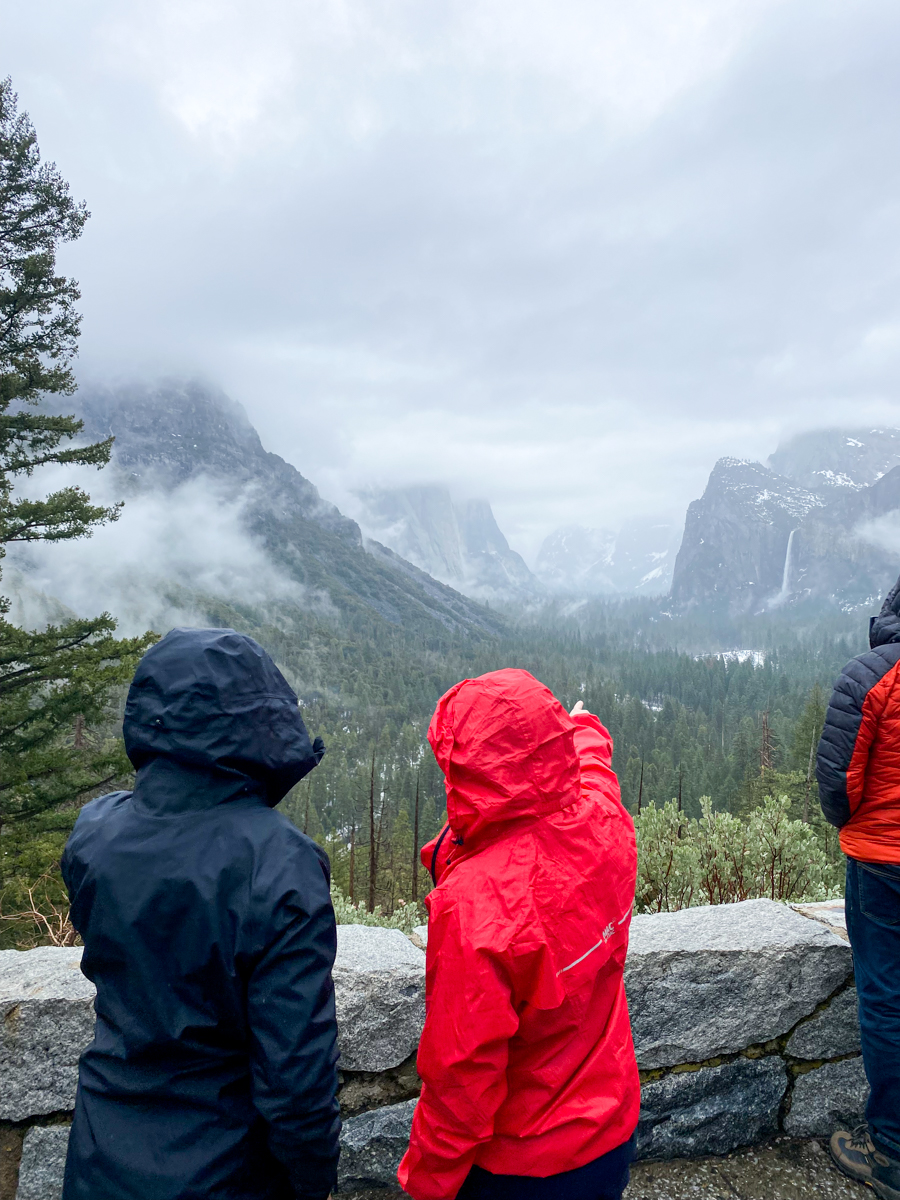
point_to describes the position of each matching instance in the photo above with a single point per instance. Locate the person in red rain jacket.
(530, 1085)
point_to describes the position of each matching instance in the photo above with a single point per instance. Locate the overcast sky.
(559, 253)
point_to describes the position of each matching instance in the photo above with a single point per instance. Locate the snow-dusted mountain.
(177, 440)
(644, 556)
(758, 539)
(736, 535)
(834, 461)
(578, 561)
(822, 520)
(457, 542)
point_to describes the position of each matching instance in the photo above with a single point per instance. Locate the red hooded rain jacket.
(526, 1058)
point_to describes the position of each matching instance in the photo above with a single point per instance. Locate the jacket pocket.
(879, 894)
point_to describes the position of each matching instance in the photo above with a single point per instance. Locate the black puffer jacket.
(858, 764)
(209, 933)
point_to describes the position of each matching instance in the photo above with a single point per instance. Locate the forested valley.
(686, 725)
(735, 727)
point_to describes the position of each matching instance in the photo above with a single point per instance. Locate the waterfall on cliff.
(786, 574)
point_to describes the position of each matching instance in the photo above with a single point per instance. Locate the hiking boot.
(857, 1156)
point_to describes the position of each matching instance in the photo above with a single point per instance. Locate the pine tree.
(55, 684)
(806, 740)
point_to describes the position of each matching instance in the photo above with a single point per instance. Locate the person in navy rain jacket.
(209, 933)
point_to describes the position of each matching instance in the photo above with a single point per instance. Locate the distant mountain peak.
(576, 560)
(772, 495)
(830, 461)
(457, 542)
(174, 432)
(760, 537)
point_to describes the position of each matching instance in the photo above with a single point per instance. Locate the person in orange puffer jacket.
(858, 769)
(530, 1085)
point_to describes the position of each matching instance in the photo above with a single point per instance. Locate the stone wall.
(744, 1021)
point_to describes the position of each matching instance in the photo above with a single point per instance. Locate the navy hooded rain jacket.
(209, 933)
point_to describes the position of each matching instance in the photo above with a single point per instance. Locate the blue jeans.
(606, 1178)
(873, 923)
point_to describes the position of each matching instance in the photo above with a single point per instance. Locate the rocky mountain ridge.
(457, 542)
(830, 531)
(173, 433)
(575, 560)
(825, 527)
(831, 461)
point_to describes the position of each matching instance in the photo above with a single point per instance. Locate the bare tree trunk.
(378, 838)
(353, 862)
(415, 861)
(641, 788)
(79, 731)
(765, 745)
(809, 771)
(373, 855)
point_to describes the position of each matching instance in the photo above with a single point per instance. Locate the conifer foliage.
(56, 683)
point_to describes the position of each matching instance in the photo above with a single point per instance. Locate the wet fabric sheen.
(858, 761)
(209, 934)
(526, 1058)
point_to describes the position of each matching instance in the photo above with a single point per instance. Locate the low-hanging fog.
(562, 255)
(190, 537)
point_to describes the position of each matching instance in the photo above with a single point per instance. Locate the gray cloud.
(563, 254)
(153, 566)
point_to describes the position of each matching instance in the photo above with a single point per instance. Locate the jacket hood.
(885, 627)
(212, 700)
(507, 749)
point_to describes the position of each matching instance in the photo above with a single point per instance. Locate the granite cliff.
(637, 560)
(172, 433)
(456, 541)
(825, 527)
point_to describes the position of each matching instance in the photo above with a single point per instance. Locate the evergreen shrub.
(722, 858)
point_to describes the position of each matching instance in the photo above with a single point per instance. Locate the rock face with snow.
(736, 536)
(835, 461)
(743, 1015)
(576, 560)
(457, 542)
(758, 540)
(638, 560)
(849, 551)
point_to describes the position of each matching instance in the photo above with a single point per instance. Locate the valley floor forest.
(714, 753)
